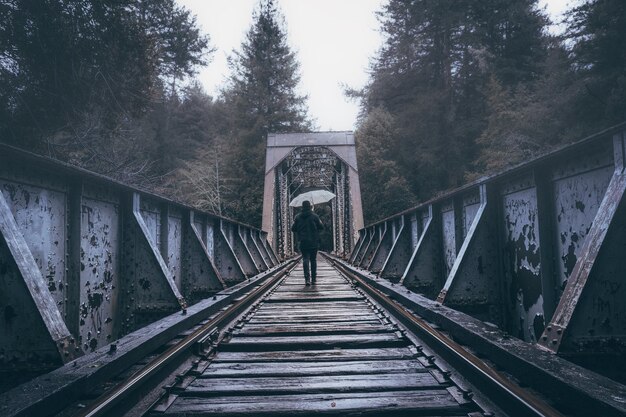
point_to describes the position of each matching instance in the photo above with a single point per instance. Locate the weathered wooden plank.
(295, 307)
(313, 342)
(288, 314)
(432, 403)
(310, 384)
(316, 355)
(256, 325)
(311, 329)
(314, 298)
(239, 370)
(315, 320)
(319, 305)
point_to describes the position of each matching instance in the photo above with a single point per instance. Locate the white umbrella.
(315, 197)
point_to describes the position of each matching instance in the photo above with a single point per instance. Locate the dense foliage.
(261, 97)
(468, 87)
(457, 90)
(77, 76)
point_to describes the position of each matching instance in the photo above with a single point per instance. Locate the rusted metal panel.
(267, 261)
(112, 258)
(209, 240)
(263, 237)
(522, 259)
(376, 233)
(382, 251)
(25, 342)
(226, 262)
(40, 214)
(598, 324)
(100, 273)
(253, 250)
(239, 248)
(149, 291)
(357, 246)
(151, 213)
(473, 285)
(470, 204)
(424, 217)
(200, 277)
(367, 240)
(415, 229)
(576, 200)
(400, 253)
(174, 246)
(424, 273)
(448, 233)
(590, 314)
(33, 331)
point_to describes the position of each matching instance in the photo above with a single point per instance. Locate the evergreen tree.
(261, 97)
(433, 76)
(597, 30)
(387, 190)
(76, 73)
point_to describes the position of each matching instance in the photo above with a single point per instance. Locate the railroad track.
(339, 347)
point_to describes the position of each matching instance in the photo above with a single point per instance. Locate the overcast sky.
(334, 41)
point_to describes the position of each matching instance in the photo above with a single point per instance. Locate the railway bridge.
(506, 296)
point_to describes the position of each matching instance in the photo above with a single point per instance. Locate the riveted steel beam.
(200, 275)
(399, 254)
(253, 250)
(33, 330)
(424, 271)
(591, 309)
(473, 283)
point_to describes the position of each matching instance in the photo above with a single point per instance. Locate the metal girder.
(253, 250)
(256, 239)
(591, 308)
(368, 236)
(399, 254)
(544, 237)
(382, 250)
(263, 238)
(226, 259)
(33, 330)
(201, 277)
(150, 292)
(112, 257)
(372, 245)
(473, 281)
(357, 246)
(424, 270)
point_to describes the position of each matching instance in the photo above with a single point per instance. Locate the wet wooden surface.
(320, 349)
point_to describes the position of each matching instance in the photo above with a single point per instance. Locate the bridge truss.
(301, 162)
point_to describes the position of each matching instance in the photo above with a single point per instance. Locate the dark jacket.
(307, 226)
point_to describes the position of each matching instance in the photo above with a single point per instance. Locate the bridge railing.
(539, 250)
(85, 260)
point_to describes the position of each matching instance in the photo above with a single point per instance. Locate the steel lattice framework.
(302, 162)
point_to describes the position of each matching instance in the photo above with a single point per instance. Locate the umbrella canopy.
(315, 197)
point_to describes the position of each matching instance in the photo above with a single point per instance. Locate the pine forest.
(458, 90)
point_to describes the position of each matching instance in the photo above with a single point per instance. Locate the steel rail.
(524, 403)
(113, 397)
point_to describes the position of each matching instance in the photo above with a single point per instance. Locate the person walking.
(307, 226)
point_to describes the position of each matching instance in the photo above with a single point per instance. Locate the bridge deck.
(318, 349)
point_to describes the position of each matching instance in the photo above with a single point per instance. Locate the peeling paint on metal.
(576, 200)
(40, 214)
(174, 251)
(523, 263)
(449, 237)
(99, 276)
